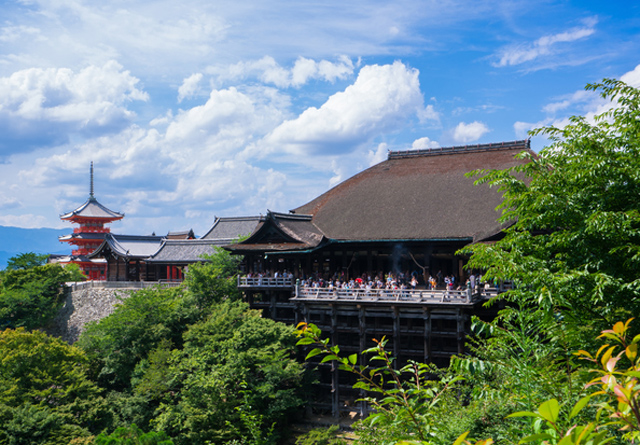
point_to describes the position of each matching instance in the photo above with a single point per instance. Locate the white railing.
(390, 295)
(74, 286)
(265, 282)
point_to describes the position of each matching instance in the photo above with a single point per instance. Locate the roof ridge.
(509, 145)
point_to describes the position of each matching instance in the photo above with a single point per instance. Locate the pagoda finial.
(91, 186)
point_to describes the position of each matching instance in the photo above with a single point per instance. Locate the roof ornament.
(91, 185)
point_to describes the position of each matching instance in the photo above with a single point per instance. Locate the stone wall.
(82, 306)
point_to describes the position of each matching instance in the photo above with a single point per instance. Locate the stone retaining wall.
(82, 306)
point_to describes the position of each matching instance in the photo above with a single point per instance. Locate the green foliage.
(26, 261)
(133, 435)
(574, 245)
(31, 297)
(321, 436)
(118, 343)
(620, 385)
(45, 395)
(215, 279)
(234, 366)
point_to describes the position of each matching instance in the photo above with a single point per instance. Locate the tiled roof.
(232, 227)
(130, 246)
(93, 209)
(413, 195)
(186, 251)
(282, 232)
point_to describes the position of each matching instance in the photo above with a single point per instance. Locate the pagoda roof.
(92, 209)
(129, 246)
(186, 250)
(82, 236)
(417, 195)
(231, 228)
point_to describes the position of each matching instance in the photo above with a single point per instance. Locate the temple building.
(91, 218)
(371, 258)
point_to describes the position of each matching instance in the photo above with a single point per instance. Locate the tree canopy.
(574, 244)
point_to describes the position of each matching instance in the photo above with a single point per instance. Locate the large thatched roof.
(417, 195)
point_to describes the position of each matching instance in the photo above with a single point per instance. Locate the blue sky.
(196, 109)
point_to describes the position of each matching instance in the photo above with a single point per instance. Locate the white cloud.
(380, 99)
(190, 87)
(465, 133)
(632, 77)
(429, 114)
(95, 94)
(423, 143)
(268, 71)
(379, 155)
(544, 46)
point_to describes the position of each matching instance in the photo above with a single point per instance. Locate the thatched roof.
(417, 195)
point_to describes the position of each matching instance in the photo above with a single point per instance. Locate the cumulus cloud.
(423, 143)
(190, 87)
(544, 46)
(465, 133)
(49, 103)
(380, 99)
(268, 71)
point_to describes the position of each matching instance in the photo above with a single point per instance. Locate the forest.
(194, 365)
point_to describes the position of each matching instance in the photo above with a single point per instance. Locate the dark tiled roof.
(130, 246)
(282, 232)
(93, 209)
(232, 227)
(186, 251)
(413, 195)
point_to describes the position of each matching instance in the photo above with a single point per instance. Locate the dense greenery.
(45, 393)
(31, 294)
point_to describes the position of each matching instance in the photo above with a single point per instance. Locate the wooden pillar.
(362, 324)
(272, 306)
(426, 316)
(395, 314)
(461, 337)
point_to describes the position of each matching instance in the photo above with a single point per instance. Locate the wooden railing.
(265, 282)
(389, 295)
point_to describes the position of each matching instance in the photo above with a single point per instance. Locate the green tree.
(236, 375)
(116, 344)
(573, 248)
(133, 435)
(31, 297)
(214, 279)
(26, 261)
(45, 394)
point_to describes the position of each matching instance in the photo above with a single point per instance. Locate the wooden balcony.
(265, 283)
(399, 296)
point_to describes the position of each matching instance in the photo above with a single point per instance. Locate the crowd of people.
(388, 281)
(391, 281)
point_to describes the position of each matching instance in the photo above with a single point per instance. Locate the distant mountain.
(14, 241)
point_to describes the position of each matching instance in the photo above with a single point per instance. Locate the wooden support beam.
(426, 314)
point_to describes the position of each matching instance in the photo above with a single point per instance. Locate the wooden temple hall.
(397, 223)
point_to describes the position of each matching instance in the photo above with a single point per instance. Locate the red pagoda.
(91, 217)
